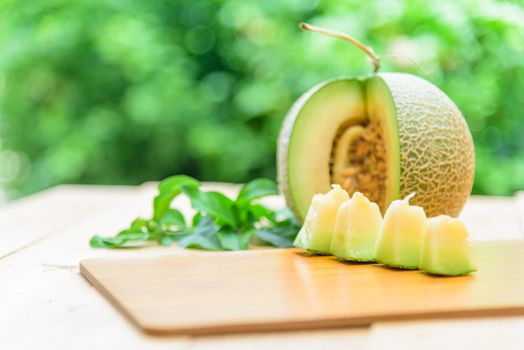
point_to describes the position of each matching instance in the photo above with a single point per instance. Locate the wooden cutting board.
(284, 289)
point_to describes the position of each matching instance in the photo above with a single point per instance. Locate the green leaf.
(130, 235)
(139, 225)
(165, 241)
(177, 235)
(231, 240)
(218, 224)
(173, 217)
(202, 236)
(249, 214)
(124, 239)
(281, 237)
(174, 183)
(285, 216)
(214, 204)
(196, 219)
(168, 190)
(258, 211)
(257, 188)
(97, 242)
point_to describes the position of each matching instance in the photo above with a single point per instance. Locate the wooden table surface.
(45, 303)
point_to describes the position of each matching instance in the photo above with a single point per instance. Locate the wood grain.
(459, 334)
(284, 289)
(44, 296)
(45, 303)
(29, 220)
(490, 218)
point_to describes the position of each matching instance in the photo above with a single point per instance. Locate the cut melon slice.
(356, 230)
(317, 232)
(446, 248)
(401, 237)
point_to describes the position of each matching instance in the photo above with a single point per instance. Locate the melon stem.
(374, 58)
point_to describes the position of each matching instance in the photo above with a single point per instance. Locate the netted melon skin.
(437, 159)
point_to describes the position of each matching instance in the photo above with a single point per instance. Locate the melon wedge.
(446, 249)
(356, 230)
(317, 232)
(386, 136)
(400, 241)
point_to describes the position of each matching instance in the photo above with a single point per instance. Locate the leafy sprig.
(220, 223)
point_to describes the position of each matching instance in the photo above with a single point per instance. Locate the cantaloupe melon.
(385, 135)
(317, 232)
(356, 230)
(399, 243)
(446, 250)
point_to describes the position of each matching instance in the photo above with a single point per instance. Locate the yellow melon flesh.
(446, 249)
(306, 140)
(400, 241)
(356, 229)
(317, 232)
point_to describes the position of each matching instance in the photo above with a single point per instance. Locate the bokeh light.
(122, 92)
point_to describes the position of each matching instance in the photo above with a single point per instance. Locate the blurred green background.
(122, 92)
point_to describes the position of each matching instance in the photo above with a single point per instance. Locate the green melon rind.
(357, 228)
(443, 184)
(437, 272)
(342, 257)
(401, 239)
(383, 256)
(389, 263)
(302, 242)
(301, 239)
(342, 254)
(397, 266)
(439, 256)
(462, 267)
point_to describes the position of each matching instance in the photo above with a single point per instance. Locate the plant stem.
(375, 59)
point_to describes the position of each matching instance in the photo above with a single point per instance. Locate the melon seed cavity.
(358, 161)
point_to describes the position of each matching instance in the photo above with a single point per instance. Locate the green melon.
(356, 229)
(316, 234)
(385, 135)
(446, 250)
(399, 243)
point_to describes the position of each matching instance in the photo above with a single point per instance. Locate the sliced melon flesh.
(382, 116)
(400, 241)
(317, 232)
(306, 139)
(356, 229)
(446, 250)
